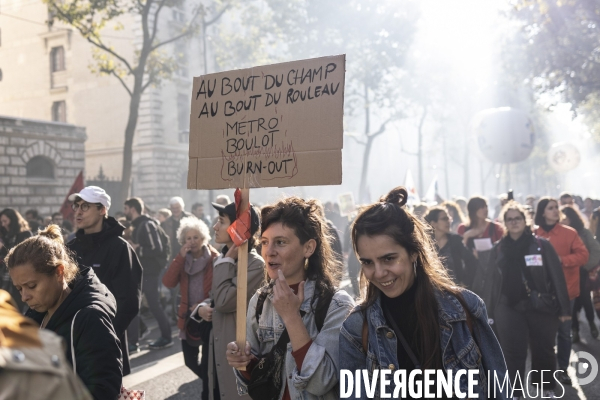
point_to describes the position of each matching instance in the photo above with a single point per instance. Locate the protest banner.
(272, 126)
(347, 206)
(277, 125)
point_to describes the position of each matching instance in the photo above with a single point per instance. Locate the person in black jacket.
(74, 304)
(458, 260)
(521, 267)
(153, 255)
(99, 244)
(13, 230)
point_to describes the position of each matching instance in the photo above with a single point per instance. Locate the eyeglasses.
(516, 219)
(84, 206)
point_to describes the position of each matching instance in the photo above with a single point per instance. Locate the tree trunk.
(362, 188)
(363, 196)
(466, 171)
(446, 172)
(420, 150)
(134, 108)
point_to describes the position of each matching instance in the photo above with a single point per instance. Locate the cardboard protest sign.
(271, 126)
(347, 206)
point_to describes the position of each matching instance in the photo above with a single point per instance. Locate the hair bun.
(398, 195)
(52, 232)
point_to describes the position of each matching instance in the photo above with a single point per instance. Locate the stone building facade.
(46, 76)
(39, 162)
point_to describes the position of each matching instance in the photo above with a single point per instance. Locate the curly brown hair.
(305, 217)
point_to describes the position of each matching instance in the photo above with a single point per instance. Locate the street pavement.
(163, 375)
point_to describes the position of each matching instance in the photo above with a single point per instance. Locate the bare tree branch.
(92, 38)
(155, 22)
(381, 128)
(113, 72)
(186, 32)
(102, 46)
(219, 15)
(357, 140)
(148, 83)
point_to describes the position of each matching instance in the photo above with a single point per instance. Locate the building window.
(57, 59)
(59, 111)
(40, 167)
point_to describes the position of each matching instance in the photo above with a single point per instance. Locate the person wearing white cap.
(99, 244)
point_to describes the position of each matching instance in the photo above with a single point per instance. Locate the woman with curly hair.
(301, 305)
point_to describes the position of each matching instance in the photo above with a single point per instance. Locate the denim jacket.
(459, 350)
(319, 374)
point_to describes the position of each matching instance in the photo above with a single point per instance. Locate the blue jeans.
(563, 342)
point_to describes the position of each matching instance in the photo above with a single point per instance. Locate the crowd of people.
(499, 281)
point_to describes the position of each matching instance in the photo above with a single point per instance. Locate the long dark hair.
(574, 217)
(17, 224)
(475, 204)
(388, 217)
(541, 207)
(305, 217)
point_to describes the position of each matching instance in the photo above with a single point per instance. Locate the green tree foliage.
(561, 39)
(146, 65)
(375, 35)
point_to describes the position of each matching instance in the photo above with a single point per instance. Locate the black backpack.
(164, 255)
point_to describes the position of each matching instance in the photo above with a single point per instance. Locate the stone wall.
(25, 141)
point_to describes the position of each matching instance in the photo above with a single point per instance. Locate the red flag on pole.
(66, 209)
(240, 229)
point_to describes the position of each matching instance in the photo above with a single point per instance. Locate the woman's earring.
(306, 263)
(415, 268)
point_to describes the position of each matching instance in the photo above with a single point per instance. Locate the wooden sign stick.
(242, 285)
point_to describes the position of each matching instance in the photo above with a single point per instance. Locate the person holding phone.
(192, 270)
(300, 310)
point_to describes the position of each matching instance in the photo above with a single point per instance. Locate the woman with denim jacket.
(413, 317)
(524, 266)
(304, 275)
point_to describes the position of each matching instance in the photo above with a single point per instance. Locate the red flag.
(240, 229)
(66, 209)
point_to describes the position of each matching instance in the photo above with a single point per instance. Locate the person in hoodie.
(151, 251)
(99, 244)
(460, 263)
(73, 303)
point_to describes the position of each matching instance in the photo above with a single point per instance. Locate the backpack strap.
(261, 300)
(321, 310)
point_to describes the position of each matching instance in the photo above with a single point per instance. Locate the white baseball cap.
(93, 194)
